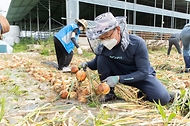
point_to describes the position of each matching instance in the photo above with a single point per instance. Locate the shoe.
(66, 69)
(108, 97)
(141, 95)
(186, 70)
(59, 68)
(173, 96)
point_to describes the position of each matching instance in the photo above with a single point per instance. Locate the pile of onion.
(80, 74)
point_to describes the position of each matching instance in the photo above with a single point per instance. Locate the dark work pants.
(63, 58)
(185, 38)
(175, 42)
(187, 61)
(151, 86)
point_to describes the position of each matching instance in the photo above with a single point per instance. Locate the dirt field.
(29, 96)
(31, 100)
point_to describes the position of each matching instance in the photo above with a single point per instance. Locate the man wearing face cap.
(65, 41)
(122, 58)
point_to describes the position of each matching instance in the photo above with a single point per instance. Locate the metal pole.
(172, 18)
(108, 5)
(67, 12)
(162, 22)
(154, 14)
(134, 16)
(49, 17)
(38, 27)
(30, 26)
(187, 10)
(25, 27)
(94, 10)
(125, 15)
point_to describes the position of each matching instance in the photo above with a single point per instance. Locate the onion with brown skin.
(74, 69)
(72, 95)
(82, 99)
(97, 91)
(81, 75)
(103, 88)
(64, 94)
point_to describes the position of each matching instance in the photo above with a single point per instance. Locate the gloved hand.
(112, 80)
(83, 65)
(79, 51)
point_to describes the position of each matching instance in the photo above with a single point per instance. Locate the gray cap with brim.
(102, 24)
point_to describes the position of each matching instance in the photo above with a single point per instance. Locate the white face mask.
(109, 44)
(81, 28)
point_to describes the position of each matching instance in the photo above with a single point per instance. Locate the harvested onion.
(64, 94)
(81, 75)
(74, 69)
(103, 88)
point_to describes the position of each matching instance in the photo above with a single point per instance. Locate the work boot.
(108, 97)
(173, 96)
(142, 95)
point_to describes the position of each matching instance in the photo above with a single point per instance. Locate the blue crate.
(3, 48)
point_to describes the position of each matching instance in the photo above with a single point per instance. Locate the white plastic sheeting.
(13, 36)
(8, 48)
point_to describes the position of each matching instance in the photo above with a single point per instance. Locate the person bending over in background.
(65, 41)
(176, 41)
(4, 26)
(122, 58)
(185, 38)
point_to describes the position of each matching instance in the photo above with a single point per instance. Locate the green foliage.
(45, 52)
(165, 66)
(88, 54)
(182, 103)
(94, 104)
(2, 112)
(156, 47)
(21, 46)
(18, 92)
(93, 99)
(47, 45)
(103, 115)
(162, 112)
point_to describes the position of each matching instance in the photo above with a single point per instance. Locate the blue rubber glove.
(83, 65)
(112, 80)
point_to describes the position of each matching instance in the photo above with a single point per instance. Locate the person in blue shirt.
(185, 39)
(65, 41)
(176, 41)
(122, 58)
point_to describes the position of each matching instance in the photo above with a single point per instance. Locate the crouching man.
(122, 58)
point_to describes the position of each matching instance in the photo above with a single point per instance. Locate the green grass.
(23, 45)
(20, 47)
(2, 112)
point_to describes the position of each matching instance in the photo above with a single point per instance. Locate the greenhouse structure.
(152, 17)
